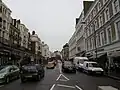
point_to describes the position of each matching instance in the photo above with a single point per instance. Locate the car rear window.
(29, 67)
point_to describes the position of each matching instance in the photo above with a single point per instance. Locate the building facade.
(15, 40)
(5, 17)
(80, 38)
(72, 46)
(102, 32)
(45, 51)
(65, 52)
(24, 36)
(36, 48)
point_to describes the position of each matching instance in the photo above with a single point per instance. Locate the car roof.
(81, 58)
(90, 62)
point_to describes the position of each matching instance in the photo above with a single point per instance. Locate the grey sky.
(53, 20)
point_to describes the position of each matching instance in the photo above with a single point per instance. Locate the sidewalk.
(113, 75)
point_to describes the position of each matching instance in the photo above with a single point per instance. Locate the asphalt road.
(56, 80)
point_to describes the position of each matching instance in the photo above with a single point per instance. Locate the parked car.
(78, 61)
(50, 65)
(31, 71)
(68, 66)
(92, 68)
(8, 73)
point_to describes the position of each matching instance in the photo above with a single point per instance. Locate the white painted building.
(5, 20)
(80, 38)
(45, 50)
(102, 32)
(24, 35)
(72, 46)
(37, 45)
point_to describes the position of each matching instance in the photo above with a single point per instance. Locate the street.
(56, 80)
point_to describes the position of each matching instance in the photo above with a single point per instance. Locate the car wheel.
(38, 77)
(22, 80)
(7, 80)
(63, 70)
(43, 75)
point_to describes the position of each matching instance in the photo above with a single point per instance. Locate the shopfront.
(114, 61)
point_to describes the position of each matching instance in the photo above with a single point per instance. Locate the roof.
(90, 62)
(80, 58)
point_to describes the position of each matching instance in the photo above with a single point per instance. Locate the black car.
(35, 71)
(68, 66)
(8, 73)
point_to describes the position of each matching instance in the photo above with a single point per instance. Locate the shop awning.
(98, 56)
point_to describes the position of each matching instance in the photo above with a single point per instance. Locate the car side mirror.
(10, 70)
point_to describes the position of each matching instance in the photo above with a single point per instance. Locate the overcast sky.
(53, 20)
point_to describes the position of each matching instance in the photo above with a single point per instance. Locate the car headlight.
(1, 76)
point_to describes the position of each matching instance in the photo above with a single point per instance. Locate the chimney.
(14, 22)
(33, 32)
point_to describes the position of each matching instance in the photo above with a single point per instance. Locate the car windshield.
(81, 61)
(3, 69)
(68, 64)
(93, 65)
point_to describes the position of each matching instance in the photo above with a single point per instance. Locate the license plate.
(70, 68)
(28, 76)
(98, 72)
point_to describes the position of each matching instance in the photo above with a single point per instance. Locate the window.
(3, 34)
(94, 12)
(109, 35)
(105, 1)
(96, 25)
(117, 28)
(1, 9)
(99, 5)
(102, 38)
(100, 20)
(116, 7)
(92, 40)
(90, 43)
(107, 14)
(105, 37)
(0, 33)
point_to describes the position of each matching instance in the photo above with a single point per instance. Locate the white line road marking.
(1, 85)
(52, 87)
(60, 65)
(65, 86)
(78, 87)
(58, 77)
(65, 77)
(63, 80)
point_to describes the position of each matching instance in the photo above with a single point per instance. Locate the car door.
(10, 72)
(87, 66)
(15, 71)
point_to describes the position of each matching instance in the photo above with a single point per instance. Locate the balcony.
(4, 41)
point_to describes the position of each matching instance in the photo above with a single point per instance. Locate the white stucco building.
(24, 36)
(5, 20)
(45, 51)
(80, 38)
(72, 46)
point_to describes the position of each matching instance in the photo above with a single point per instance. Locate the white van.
(78, 61)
